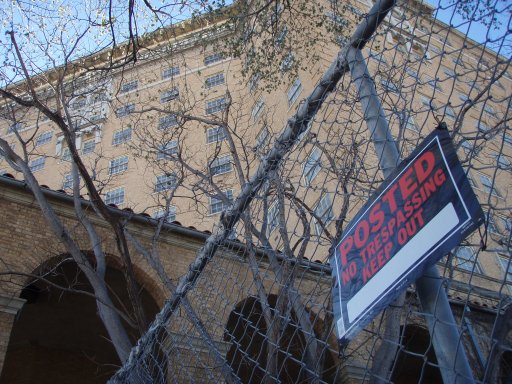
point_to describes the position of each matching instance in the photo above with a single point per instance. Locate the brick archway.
(247, 355)
(58, 337)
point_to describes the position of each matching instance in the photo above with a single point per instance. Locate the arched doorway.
(58, 337)
(247, 355)
(416, 360)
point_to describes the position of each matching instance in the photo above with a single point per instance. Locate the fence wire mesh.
(264, 299)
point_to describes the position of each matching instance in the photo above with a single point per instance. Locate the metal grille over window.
(118, 165)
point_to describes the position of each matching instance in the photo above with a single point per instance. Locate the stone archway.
(247, 354)
(58, 337)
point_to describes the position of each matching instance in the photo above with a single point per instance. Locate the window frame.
(165, 182)
(118, 165)
(112, 196)
(213, 134)
(122, 136)
(220, 165)
(312, 167)
(217, 205)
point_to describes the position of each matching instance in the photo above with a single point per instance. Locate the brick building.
(177, 134)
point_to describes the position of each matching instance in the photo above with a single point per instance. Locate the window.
(508, 139)
(506, 267)
(66, 154)
(115, 196)
(312, 165)
(257, 108)
(324, 213)
(449, 112)
(167, 150)
(272, 218)
(482, 127)
(428, 103)
(37, 164)
(491, 225)
(487, 185)
(78, 103)
(168, 121)
(262, 137)
(215, 105)
(287, 62)
(15, 127)
(337, 20)
(214, 80)
(221, 165)
(218, 205)
(67, 182)
(122, 136)
(165, 182)
(465, 258)
(129, 86)
(505, 225)
(467, 147)
(378, 57)
(411, 124)
(169, 215)
(118, 165)
(503, 162)
(489, 110)
(389, 86)
(125, 110)
(89, 147)
(449, 73)
(411, 72)
(215, 134)
(170, 72)
(213, 58)
(458, 62)
(434, 83)
(253, 83)
(280, 38)
(169, 95)
(294, 91)
(463, 98)
(44, 138)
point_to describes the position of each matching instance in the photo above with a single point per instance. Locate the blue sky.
(497, 36)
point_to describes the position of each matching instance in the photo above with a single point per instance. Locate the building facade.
(178, 134)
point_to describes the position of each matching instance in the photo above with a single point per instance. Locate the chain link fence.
(262, 304)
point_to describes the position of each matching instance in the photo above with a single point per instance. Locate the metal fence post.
(451, 356)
